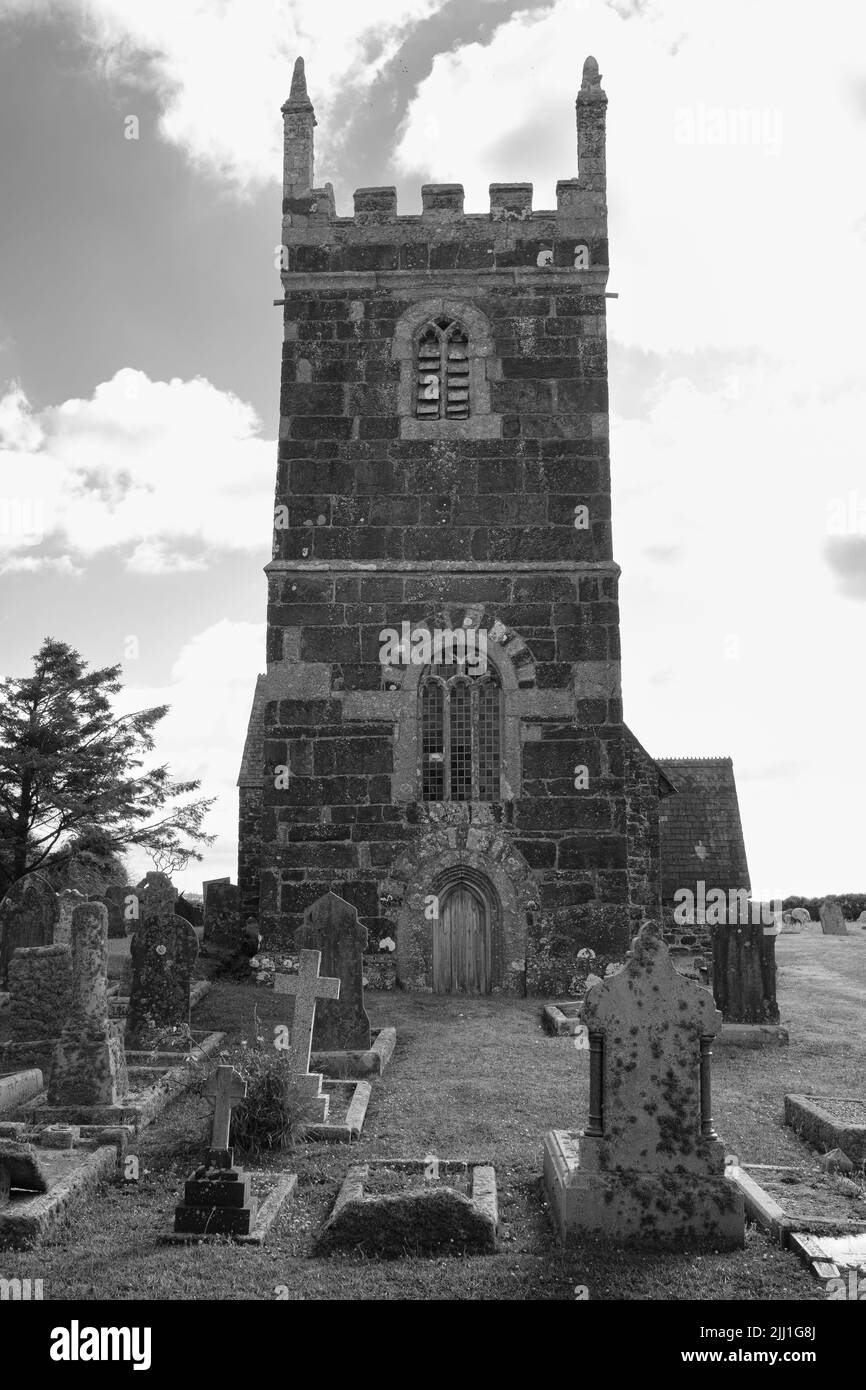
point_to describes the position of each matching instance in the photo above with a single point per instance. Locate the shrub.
(275, 1112)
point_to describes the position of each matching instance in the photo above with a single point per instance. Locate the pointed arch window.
(443, 371)
(461, 734)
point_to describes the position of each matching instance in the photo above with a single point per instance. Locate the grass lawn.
(476, 1079)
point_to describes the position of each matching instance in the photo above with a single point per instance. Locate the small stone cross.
(307, 986)
(228, 1088)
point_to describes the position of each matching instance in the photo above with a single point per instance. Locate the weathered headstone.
(89, 1066)
(206, 886)
(163, 952)
(222, 914)
(40, 992)
(862, 918)
(122, 904)
(744, 973)
(832, 920)
(649, 1167)
(331, 926)
(67, 901)
(308, 986)
(28, 917)
(217, 1197)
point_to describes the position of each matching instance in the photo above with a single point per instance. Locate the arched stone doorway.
(463, 933)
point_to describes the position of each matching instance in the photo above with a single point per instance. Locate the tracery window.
(443, 371)
(460, 718)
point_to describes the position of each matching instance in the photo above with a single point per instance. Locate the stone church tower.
(439, 734)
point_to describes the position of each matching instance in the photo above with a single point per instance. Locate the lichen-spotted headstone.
(649, 1167)
(832, 920)
(89, 1066)
(28, 917)
(40, 991)
(163, 952)
(331, 926)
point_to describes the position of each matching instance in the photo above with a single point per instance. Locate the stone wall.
(644, 785)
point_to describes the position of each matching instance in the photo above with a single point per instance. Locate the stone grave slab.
(838, 1261)
(150, 1090)
(370, 1062)
(830, 1122)
(784, 1199)
(648, 1169)
(562, 1019)
(832, 920)
(18, 1087)
(394, 1207)
(347, 1110)
(27, 1215)
(29, 914)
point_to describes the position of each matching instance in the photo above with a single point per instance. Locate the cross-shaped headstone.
(228, 1088)
(307, 986)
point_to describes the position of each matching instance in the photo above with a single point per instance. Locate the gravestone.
(216, 1199)
(222, 914)
(121, 902)
(648, 1169)
(832, 921)
(163, 952)
(67, 900)
(28, 917)
(331, 926)
(744, 973)
(89, 1066)
(40, 992)
(308, 986)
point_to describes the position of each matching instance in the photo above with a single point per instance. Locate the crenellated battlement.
(511, 233)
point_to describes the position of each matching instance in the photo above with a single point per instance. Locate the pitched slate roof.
(700, 829)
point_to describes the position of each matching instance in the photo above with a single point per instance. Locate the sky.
(139, 349)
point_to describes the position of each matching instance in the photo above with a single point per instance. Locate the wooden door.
(461, 944)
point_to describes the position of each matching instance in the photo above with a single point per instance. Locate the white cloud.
(725, 243)
(222, 70)
(739, 641)
(210, 692)
(166, 473)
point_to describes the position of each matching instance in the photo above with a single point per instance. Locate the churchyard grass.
(476, 1079)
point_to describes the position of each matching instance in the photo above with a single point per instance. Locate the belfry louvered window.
(460, 720)
(443, 371)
